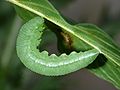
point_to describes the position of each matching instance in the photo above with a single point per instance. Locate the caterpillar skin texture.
(29, 38)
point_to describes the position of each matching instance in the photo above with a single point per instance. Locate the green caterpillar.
(40, 62)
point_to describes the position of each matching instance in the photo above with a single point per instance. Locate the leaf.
(90, 34)
(24, 14)
(104, 67)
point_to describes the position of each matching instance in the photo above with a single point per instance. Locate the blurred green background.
(14, 75)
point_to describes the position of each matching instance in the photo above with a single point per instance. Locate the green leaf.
(89, 34)
(24, 14)
(104, 67)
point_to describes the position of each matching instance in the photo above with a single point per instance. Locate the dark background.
(14, 76)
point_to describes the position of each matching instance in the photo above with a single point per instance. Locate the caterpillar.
(29, 38)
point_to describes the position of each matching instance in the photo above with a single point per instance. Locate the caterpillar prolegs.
(40, 62)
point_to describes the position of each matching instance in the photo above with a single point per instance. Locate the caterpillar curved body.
(29, 38)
